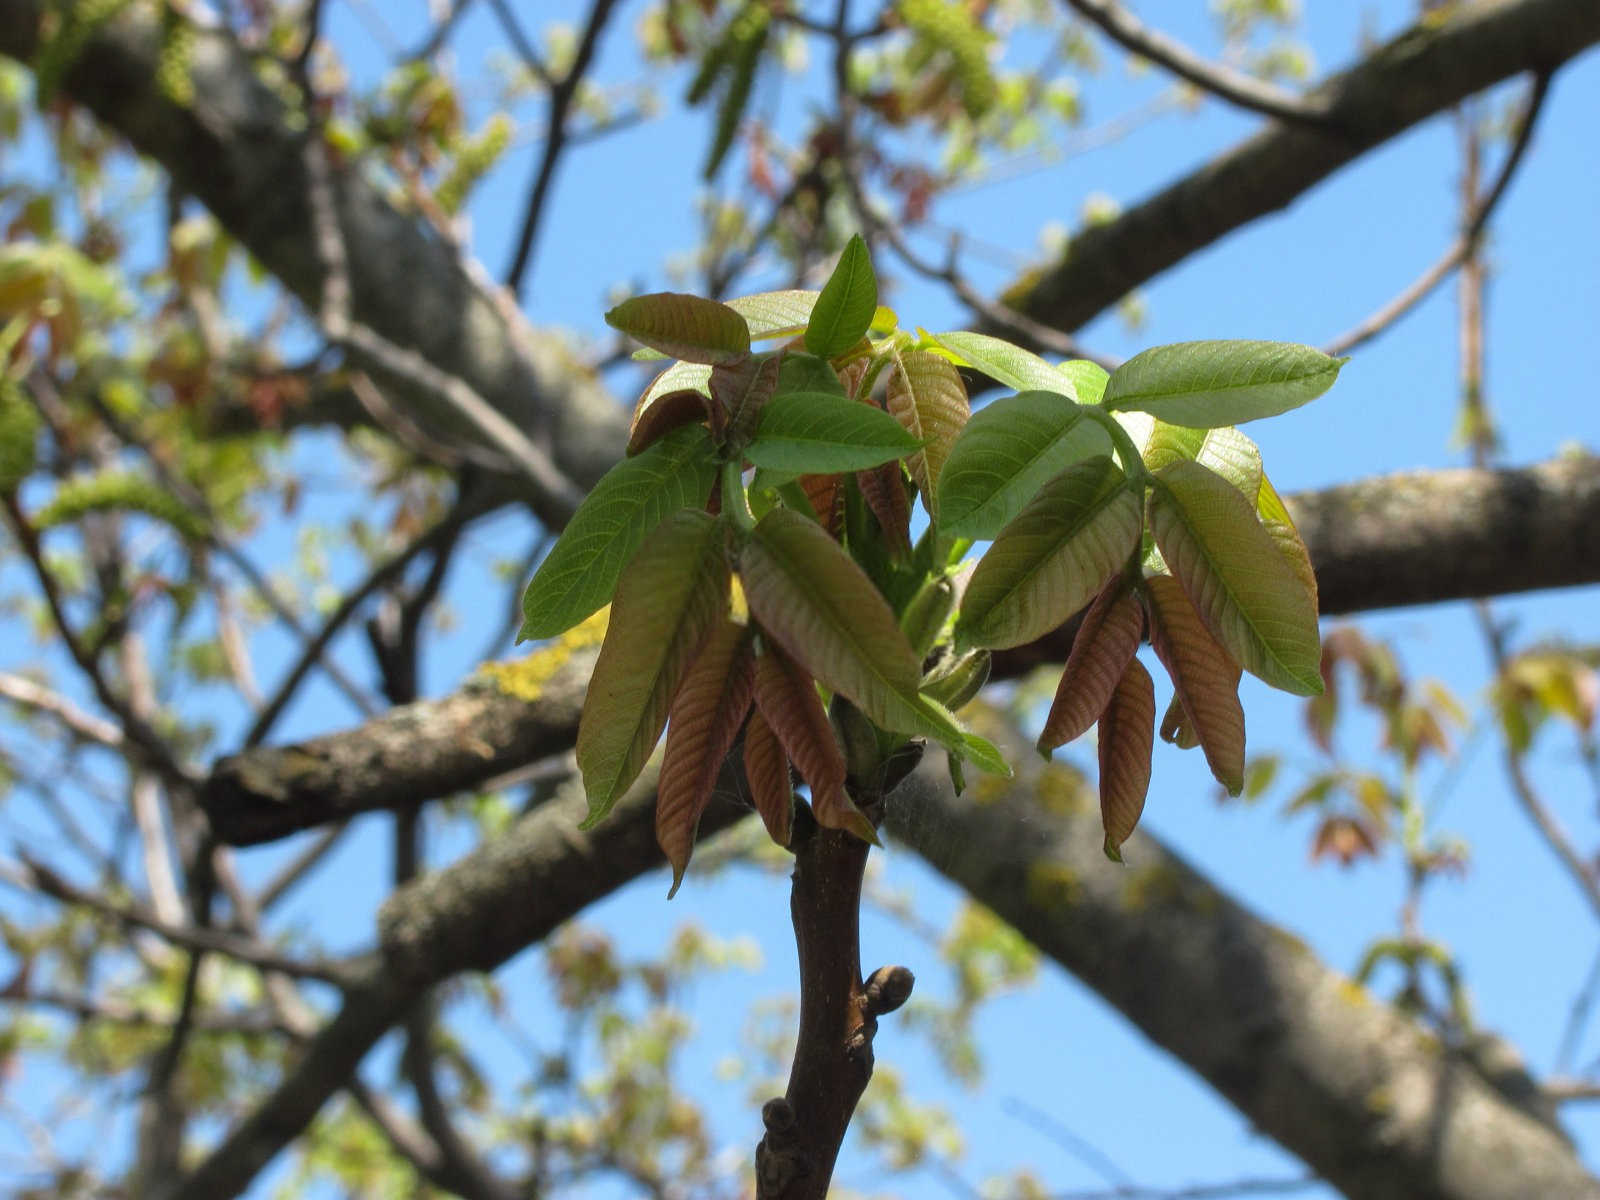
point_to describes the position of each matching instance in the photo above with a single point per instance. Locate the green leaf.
(581, 570)
(775, 314)
(1207, 384)
(801, 372)
(814, 433)
(926, 395)
(1089, 378)
(1005, 454)
(985, 755)
(848, 302)
(819, 605)
(1275, 519)
(1075, 534)
(1224, 450)
(1008, 364)
(671, 597)
(1236, 576)
(688, 327)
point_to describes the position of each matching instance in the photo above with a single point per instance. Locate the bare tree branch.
(1220, 80)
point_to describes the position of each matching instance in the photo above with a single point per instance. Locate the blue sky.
(625, 204)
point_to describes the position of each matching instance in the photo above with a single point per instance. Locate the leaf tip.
(1113, 851)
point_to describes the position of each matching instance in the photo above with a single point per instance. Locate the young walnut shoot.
(786, 476)
(772, 611)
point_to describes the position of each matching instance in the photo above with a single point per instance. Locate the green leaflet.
(1005, 454)
(1008, 364)
(776, 314)
(682, 326)
(631, 499)
(926, 395)
(814, 433)
(1207, 384)
(818, 604)
(1224, 450)
(1242, 584)
(1073, 535)
(848, 302)
(672, 595)
(1089, 378)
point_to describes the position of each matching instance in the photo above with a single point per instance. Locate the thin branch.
(297, 868)
(1220, 80)
(530, 57)
(441, 32)
(561, 97)
(97, 1008)
(1466, 243)
(80, 724)
(36, 876)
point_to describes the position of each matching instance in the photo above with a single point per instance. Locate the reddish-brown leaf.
(711, 704)
(1127, 736)
(926, 395)
(826, 493)
(1105, 643)
(787, 698)
(665, 414)
(743, 389)
(884, 490)
(767, 768)
(1175, 727)
(1205, 678)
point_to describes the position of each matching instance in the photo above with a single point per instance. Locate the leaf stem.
(734, 500)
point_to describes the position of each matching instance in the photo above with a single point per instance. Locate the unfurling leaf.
(1127, 737)
(815, 433)
(819, 605)
(789, 703)
(1073, 535)
(926, 395)
(672, 411)
(1237, 577)
(672, 595)
(581, 570)
(706, 714)
(1175, 727)
(884, 490)
(1207, 384)
(1106, 642)
(1005, 454)
(1206, 680)
(766, 767)
(1018, 369)
(683, 326)
(849, 300)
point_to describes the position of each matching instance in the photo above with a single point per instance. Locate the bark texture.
(1419, 74)
(1370, 1101)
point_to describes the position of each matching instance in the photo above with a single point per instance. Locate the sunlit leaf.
(766, 767)
(581, 570)
(1237, 577)
(704, 720)
(672, 595)
(775, 314)
(1088, 377)
(1207, 384)
(680, 376)
(1205, 679)
(1076, 532)
(815, 433)
(1106, 640)
(1275, 519)
(813, 599)
(1127, 737)
(688, 327)
(1005, 454)
(789, 703)
(926, 395)
(849, 300)
(1004, 363)
(1226, 451)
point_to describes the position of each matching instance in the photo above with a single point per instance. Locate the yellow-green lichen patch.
(1164, 884)
(1065, 790)
(1053, 886)
(525, 677)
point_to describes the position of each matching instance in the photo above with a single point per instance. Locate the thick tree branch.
(1424, 71)
(1367, 1098)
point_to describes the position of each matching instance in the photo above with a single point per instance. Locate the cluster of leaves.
(1127, 493)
